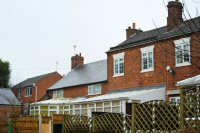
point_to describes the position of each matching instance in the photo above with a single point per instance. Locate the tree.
(4, 74)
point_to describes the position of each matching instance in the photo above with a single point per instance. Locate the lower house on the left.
(9, 107)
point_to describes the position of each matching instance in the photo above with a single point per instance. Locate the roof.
(143, 95)
(141, 38)
(31, 81)
(7, 97)
(85, 74)
(193, 81)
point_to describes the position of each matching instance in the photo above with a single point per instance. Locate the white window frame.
(57, 95)
(28, 91)
(118, 57)
(19, 93)
(147, 50)
(180, 43)
(175, 99)
(91, 89)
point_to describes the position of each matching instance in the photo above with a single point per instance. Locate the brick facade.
(42, 86)
(164, 55)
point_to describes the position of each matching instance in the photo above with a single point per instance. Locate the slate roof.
(141, 38)
(86, 74)
(7, 97)
(31, 81)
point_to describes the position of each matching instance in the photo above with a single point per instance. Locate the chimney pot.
(174, 19)
(134, 25)
(76, 61)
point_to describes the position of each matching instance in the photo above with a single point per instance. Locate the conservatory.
(117, 102)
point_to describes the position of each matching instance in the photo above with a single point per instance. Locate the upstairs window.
(19, 93)
(28, 91)
(147, 58)
(58, 94)
(94, 89)
(182, 49)
(118, 64)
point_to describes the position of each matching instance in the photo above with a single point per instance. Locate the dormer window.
(182, 48)
(118, 64)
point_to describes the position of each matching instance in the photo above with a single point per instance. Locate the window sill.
(94, 94)
(183, 64)
(147, 70)
(28, 96)
(118, 75)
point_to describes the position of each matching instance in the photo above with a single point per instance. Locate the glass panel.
(116, 109)
(107, 104)
(107, 109)
(52, 112)
(114, 103)
(66, 107)
(99, 110)
(150, 60)
(84, 106)
(77, 106)
(53, 107)
(44, 107)
(66, 112)
(91, 105)
(84, 112)
(99, 105)
(77, 112)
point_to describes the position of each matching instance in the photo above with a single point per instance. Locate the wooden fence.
(32, 124)
(149, 117)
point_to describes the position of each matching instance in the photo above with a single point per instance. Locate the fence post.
(40, 124)
(133, 126)
(182, 117)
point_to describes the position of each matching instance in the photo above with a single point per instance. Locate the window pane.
(116, 109)
(144, 63)
(121, 67)
(150, 60)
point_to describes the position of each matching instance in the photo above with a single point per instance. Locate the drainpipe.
(34, 85)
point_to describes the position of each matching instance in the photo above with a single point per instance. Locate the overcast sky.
(35, 34)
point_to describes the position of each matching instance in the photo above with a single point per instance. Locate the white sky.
(35, 34)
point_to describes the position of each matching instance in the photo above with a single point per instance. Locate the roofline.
(10, 105)
(47, 74)
(118, 48)
(104, 81)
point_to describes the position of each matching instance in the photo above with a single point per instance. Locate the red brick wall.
(80, 91)
(133, 78)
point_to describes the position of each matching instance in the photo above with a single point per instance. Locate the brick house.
(34, 89)
(84, 80)
(161, 56)
(144, 67)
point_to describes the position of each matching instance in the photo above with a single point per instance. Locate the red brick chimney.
(131, 31)
(76, 61)
(174, 19)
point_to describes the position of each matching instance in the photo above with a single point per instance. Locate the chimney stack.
(131, 31)
(174, 19)
(76, 60)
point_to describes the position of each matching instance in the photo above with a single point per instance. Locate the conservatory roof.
(190, 81)
(142, 95)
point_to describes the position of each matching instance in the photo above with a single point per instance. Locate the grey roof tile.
(86, 74)
(141, 38)
(31, 81)
(7, 97)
